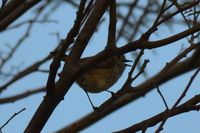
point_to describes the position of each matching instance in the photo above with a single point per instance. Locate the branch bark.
(68, 75)
(112, 104)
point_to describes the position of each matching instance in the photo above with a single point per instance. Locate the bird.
(103, 75)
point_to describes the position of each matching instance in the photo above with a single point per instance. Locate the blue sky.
(76, 104)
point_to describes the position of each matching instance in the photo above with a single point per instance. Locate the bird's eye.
(118, 56)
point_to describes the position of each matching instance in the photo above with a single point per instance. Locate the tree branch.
(112, 104)
(190, 105)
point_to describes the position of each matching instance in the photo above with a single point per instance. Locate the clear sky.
(76, 104)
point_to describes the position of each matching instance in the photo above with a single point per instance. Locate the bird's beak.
(128, 65)
(127, 60)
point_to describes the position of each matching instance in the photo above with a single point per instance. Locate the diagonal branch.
(20, 96)
(69, 75)
(63, 48)
(190, 105)
(111, 104)
(178, 101)
(12, 16)
(34, 67)
(14, 115)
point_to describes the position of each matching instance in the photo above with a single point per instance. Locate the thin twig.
(178, 101)
(135, 63)
(129, 79)
(14, 115)
(161, 95)
(190, 105)
(22, 95)
(180, 56)
(141, 70)
(112, 105)
(126, 19)
(17, 45)
(30, 21)
(32, 68)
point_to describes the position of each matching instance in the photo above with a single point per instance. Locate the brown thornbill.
(102, 76)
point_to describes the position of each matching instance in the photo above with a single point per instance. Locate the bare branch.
(111, 104)
(111, 42)
(25, 72)
(17, 13)
(23, 95)
(61, 51)
(14, 115)
(189, 105)
(161, 95)
(67, 78)
(178, 101)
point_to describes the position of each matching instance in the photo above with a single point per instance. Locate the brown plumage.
(102, 76)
